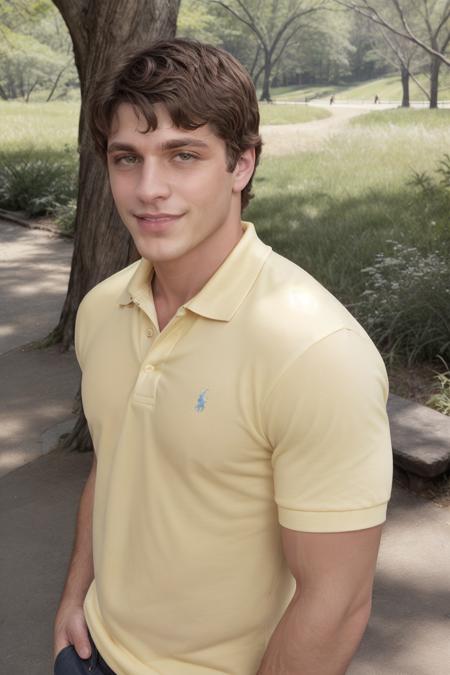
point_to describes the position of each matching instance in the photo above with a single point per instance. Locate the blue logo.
(201, 401)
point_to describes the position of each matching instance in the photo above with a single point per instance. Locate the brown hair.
(197, 83)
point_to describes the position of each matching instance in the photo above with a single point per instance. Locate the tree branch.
(369, 12)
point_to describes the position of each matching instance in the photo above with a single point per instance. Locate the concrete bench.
(420, 439)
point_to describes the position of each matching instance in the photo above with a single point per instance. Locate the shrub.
(441, 400)
(406, 303)
(64, 216)
(37, 181)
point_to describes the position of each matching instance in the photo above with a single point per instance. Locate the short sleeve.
(327, 424)
(78, 334)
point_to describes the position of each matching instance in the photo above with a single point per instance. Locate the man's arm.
(70, 625)
(328, 614)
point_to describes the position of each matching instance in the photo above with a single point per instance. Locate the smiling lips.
(155, 222)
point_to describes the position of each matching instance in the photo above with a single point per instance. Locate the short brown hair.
(197, 83)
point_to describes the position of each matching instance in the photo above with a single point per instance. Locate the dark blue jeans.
(69, 663)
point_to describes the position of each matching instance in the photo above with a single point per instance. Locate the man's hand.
(71, 629)
(70, 626)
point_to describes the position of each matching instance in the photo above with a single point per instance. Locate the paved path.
(37, 386)
(285, 139)
(410, 623)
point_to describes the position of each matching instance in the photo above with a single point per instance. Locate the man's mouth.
(155, 222)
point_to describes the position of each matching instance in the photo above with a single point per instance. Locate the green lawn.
(272, 113)
(387, 88)
(51, 125)
(405, 117)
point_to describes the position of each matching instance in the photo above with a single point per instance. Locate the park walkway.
(39, 493)
(286, 139)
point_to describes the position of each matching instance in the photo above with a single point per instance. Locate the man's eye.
(126, 160)
(185, 156)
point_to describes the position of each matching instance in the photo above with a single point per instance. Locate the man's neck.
(177, 281)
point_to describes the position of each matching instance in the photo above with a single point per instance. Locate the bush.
(441, 400)
(37, 181)
(406, 303)
(64, 216)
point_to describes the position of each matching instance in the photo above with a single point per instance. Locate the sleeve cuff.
(332, 521)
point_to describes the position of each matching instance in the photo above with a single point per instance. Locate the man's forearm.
(81, 569)
(314, 638)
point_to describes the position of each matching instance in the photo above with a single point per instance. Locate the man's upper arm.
(337, 567)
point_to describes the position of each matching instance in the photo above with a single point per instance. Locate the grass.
(290, 114)
(388, 89)
(405, 117)
(38, 125)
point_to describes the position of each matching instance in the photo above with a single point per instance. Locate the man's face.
(171, 186)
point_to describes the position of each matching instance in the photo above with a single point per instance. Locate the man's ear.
(244, 169)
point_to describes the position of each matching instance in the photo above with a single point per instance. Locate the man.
(231, 521)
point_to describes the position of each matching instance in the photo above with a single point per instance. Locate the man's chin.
(158, 252)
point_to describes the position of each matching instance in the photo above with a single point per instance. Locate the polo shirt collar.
(223, 293)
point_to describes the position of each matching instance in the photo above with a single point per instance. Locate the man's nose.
(153, 182)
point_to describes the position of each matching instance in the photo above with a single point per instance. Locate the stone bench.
(420, 440)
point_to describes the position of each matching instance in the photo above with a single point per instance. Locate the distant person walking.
(376, 99)
(332, 100)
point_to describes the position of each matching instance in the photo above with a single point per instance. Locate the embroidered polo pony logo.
(201, 401)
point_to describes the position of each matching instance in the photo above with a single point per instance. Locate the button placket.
(150, 371)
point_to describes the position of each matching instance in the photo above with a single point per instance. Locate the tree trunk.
(265, 94)
(405, 86)
(102, 245)
(434, 81)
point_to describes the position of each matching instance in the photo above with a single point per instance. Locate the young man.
(231, 521)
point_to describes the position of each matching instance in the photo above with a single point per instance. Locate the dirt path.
(285, 139)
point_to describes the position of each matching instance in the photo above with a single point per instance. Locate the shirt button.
(149, 332)
(149, 367)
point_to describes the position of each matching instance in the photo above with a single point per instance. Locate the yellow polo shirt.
(262, 402)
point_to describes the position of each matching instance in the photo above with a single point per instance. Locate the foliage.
(35, 51)
(64, 216)
(37, 181)
(441, 400)
(406, 302)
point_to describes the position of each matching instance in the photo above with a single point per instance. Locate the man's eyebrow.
(167, 145)
(112, 147)
(182, 143)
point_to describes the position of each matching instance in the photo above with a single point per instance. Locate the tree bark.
(405, 86)
(102, 245)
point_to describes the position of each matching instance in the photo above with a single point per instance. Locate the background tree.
(102, 245)
(35, 51)
(403, 55)
(274, 24)
(201, 20)
(321, 52)
(425, 23)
